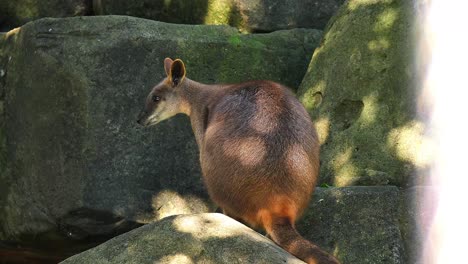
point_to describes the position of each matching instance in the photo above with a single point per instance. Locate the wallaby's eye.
(155, 98)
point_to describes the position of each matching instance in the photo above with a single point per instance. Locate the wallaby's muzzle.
(142, 118)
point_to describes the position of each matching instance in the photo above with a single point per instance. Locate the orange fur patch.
(279, 207)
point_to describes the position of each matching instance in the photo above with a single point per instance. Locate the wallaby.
(259, 151)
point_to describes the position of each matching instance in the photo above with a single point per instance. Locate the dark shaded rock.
(177, 11)
(18, 12)
(417, 207)
(356, 224)
(4, 57)
(360, 91)
(247, 15)
(270, 15)
(78, 165)
(21, 255)
(187, 239)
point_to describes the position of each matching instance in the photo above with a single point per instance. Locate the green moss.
(27, 9)
(224, 12)
(360, 80)
(234, 57)
(218, 12)
(235, 40)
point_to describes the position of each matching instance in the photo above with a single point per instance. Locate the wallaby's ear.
(177, 72)
(167, 66)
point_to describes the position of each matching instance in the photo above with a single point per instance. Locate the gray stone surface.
(359, 89)
(356, 224)
(78, 165)
(4, 55)
(188, 239)
(247, 15)
(417, 207)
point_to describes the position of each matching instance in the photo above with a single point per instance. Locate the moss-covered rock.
(359, 89)
(247, 15)
(79, 165)
(356, 224)
(18, 12)
(188, 239)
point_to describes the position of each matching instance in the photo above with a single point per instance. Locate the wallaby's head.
(164, 100)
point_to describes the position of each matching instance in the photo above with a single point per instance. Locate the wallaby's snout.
(142, 117)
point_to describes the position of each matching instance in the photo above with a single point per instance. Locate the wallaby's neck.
(196, 99)
(192, 95)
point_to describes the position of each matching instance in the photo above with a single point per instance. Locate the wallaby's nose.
(141, 116)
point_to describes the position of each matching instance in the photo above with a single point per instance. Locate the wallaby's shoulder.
(254, 91)
(256, 85)
(264, 106)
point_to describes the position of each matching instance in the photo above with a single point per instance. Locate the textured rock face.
(359, 90)
(188, 239)
(417, 207)
(18, 12)
(356, 224)
(78, 164)
(3, 62)
(247, 15)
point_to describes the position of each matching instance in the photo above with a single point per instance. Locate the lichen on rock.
(360, 89)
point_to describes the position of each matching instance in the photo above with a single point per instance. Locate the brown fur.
(259, 152)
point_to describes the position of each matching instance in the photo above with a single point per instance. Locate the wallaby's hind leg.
(282, 231)
(284, 234)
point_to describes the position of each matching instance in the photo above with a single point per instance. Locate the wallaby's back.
(259, 143)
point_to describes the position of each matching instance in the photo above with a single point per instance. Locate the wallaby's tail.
(285, 235)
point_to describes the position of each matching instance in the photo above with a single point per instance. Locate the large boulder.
(188, 239)
(78, 165)
(360, 90)
(356, 224)
(18, 12)
(247, 15)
